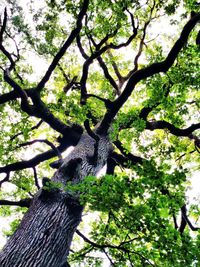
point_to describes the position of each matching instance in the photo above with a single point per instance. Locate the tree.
(123, 97)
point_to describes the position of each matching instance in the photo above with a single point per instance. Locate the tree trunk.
(44, 236)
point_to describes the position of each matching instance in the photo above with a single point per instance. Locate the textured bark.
(44, 237)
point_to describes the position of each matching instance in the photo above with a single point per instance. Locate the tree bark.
(44, 236)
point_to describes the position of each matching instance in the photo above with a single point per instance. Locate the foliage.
(136, 213)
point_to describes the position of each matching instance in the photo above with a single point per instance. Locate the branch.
(146, 110)
(107, 102)
(22, 93)
(111, 164)
(146, 72)
(81, 49)
(41, 111)
(185, 220)
(8, 97)
(107, 74)
(175, 222)
(141, 44)
(129, 157)
(153, 125)
(36, 178)
(181, 156)
(103, 246)
(3, 49)
(118, 159)
(116, 70)
(65, 46)
(96, 55)
(56, 150)
(32, 128)
(25, 164)
(22, 203)
(130, 39)
(3, 27)
(6, 179)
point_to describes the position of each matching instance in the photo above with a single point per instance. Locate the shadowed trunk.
(44, 237)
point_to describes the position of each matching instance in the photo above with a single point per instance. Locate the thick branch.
(81, 49)
(22, 203)
(8, 97)
(41, 111)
